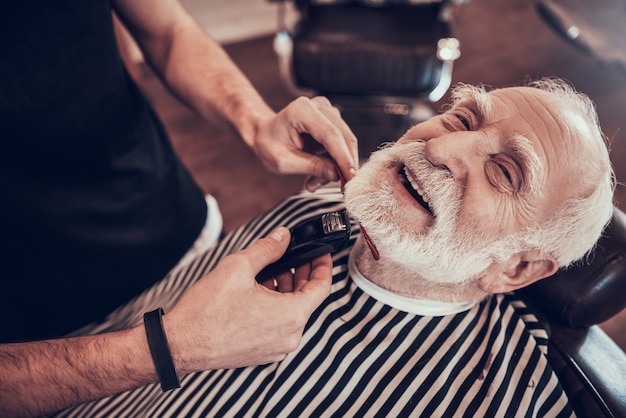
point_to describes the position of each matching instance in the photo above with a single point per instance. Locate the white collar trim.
(423, 307)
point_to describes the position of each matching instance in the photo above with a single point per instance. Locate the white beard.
(445, 252)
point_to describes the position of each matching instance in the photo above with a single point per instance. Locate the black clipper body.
(311, 238)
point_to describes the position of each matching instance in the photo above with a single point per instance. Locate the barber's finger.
(301, 276)
(325, 125)
(284, 282)
(335, 144)
(332, 113)
(314, 183)
(315, 165)
(269, 283)
(316, 287)
(267, 250)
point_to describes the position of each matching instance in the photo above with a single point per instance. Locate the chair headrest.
(591, 291)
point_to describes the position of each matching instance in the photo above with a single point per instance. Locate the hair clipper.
(310, 239)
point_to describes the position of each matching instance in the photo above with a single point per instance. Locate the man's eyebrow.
(526, 155)
(476, 100)
(477, 103)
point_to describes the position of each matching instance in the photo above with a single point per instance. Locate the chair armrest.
(591, 369)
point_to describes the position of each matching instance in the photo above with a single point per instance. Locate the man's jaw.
(394, 277)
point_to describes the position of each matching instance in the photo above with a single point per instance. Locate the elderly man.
(496, 193)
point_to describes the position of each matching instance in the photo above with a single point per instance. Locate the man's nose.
(453, 152)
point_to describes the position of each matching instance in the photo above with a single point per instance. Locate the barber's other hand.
(228, 320)
(280, 145)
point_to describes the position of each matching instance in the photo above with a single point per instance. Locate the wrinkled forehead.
(515, 105)
(568, 123)
(490, 104)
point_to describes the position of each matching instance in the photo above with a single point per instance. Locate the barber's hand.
(280, 144)
(228, 320)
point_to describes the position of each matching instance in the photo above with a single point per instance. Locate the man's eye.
(466, 123)
(504, 175)
(459, 120)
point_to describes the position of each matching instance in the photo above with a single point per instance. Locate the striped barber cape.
(359, 357)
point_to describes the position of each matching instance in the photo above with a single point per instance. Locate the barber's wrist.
(249, 129)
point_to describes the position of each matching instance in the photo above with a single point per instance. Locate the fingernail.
(352, 172)
(278, 234)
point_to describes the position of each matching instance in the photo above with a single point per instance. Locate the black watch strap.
(160, 350)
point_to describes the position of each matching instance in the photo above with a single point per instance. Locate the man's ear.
(520, 270)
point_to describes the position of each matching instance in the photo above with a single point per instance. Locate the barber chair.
(590, 366)
(381, 62)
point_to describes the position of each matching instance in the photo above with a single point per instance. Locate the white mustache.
(440, 188)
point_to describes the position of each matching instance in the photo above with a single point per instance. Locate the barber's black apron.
(94, 204)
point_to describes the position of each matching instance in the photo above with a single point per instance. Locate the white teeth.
(415, 185)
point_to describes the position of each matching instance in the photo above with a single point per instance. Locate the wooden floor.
(503, 43)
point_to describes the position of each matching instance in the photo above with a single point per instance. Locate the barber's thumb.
(269, 249)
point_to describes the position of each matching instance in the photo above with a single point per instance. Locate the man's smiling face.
(446, 197)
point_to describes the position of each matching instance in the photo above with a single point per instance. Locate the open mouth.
(413, 188)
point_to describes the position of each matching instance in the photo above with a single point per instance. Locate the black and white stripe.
(358, 356)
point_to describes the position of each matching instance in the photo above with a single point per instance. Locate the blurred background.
(502, 43)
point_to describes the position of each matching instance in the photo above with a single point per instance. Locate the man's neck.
(396, 278)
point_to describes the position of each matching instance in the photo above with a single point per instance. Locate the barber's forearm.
(198, 71)
(41, 377)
